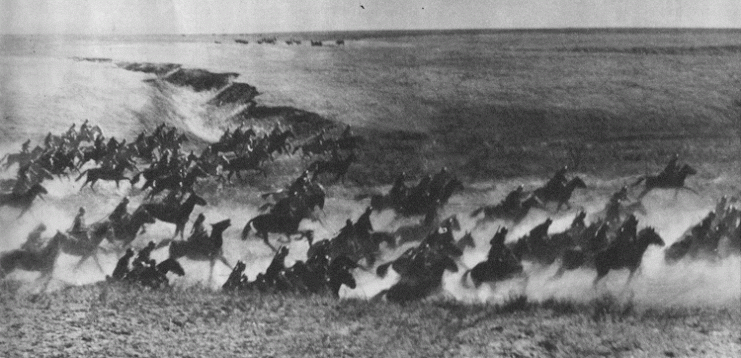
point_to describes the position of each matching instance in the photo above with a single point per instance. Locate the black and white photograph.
(370, 178)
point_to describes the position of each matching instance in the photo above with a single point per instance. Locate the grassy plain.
(106, 321)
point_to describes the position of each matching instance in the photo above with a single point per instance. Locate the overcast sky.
(254, 16)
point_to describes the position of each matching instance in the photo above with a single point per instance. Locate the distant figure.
(34, 242)
(513, 198)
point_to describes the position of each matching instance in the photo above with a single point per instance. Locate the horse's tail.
(476, 212)
(639, 181)
(246, 230)
(82, 175)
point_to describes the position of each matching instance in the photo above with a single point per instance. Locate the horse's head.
(650, 237)
(171, 265)
(466, 241)
(447, 248)
(222, 225)
(197, 200)
(577, 183)
(37, 189)
(141, 213)
(687, 170)
(579, 219)
(499, 237)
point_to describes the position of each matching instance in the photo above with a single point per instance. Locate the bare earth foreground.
(113, 321)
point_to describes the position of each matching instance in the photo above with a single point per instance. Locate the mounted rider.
(34, 242)
(514, 198)
(79, 229)
(558, 181)
(120, 211)
(671, 169)
(198, 236)
(24, 146)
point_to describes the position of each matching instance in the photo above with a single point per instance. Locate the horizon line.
(454, 29)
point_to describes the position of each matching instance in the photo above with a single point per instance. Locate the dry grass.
(102, 320)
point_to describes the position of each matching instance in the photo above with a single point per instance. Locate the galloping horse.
(198, 252)
(24, 200)
(675, 181)
(339, 167)
(500, 263)
(273, 223)
(115, 173)
(126, 229)
(625, 254)
(178, 214)
(561, 195)
(40, 261)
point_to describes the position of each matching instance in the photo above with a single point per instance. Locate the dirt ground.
(118, 321)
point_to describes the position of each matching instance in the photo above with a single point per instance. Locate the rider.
(34, 242)
(122, 267)
(198, 232)
(513, 198)
(120, 210)
(299, 184)
(558, 181)
(347, 133)
(671, 168)
(83, 127)
(24, 146)
(79, 230)
(143, 257)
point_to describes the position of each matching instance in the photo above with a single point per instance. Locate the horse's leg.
(211, 272)
(224, 261)
(265, 239)
(97, 262)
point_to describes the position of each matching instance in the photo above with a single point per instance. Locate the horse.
(560, 195)
(23, 200)
(115, 173)
(245, 162)
(177, 182)
(178, 215)
(339, 167)
(500, 263)
(666, 182)
(198, 252)
(338, 274)
(466, 241)
(278, 142)
(514, 213)
(39, 261)
(625, 254)
(421, 274)
(126, 229)
(272, 223)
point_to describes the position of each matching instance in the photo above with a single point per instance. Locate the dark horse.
(625, 254)
(126, 229)
(562, 194)
(273, 223)
(24, 200)
(500, 263)
(675, 181)
(199, 252)
(339, 167)
(95, 174)
(177, 215)
(41, 261)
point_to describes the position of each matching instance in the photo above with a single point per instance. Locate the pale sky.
(255, 16)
